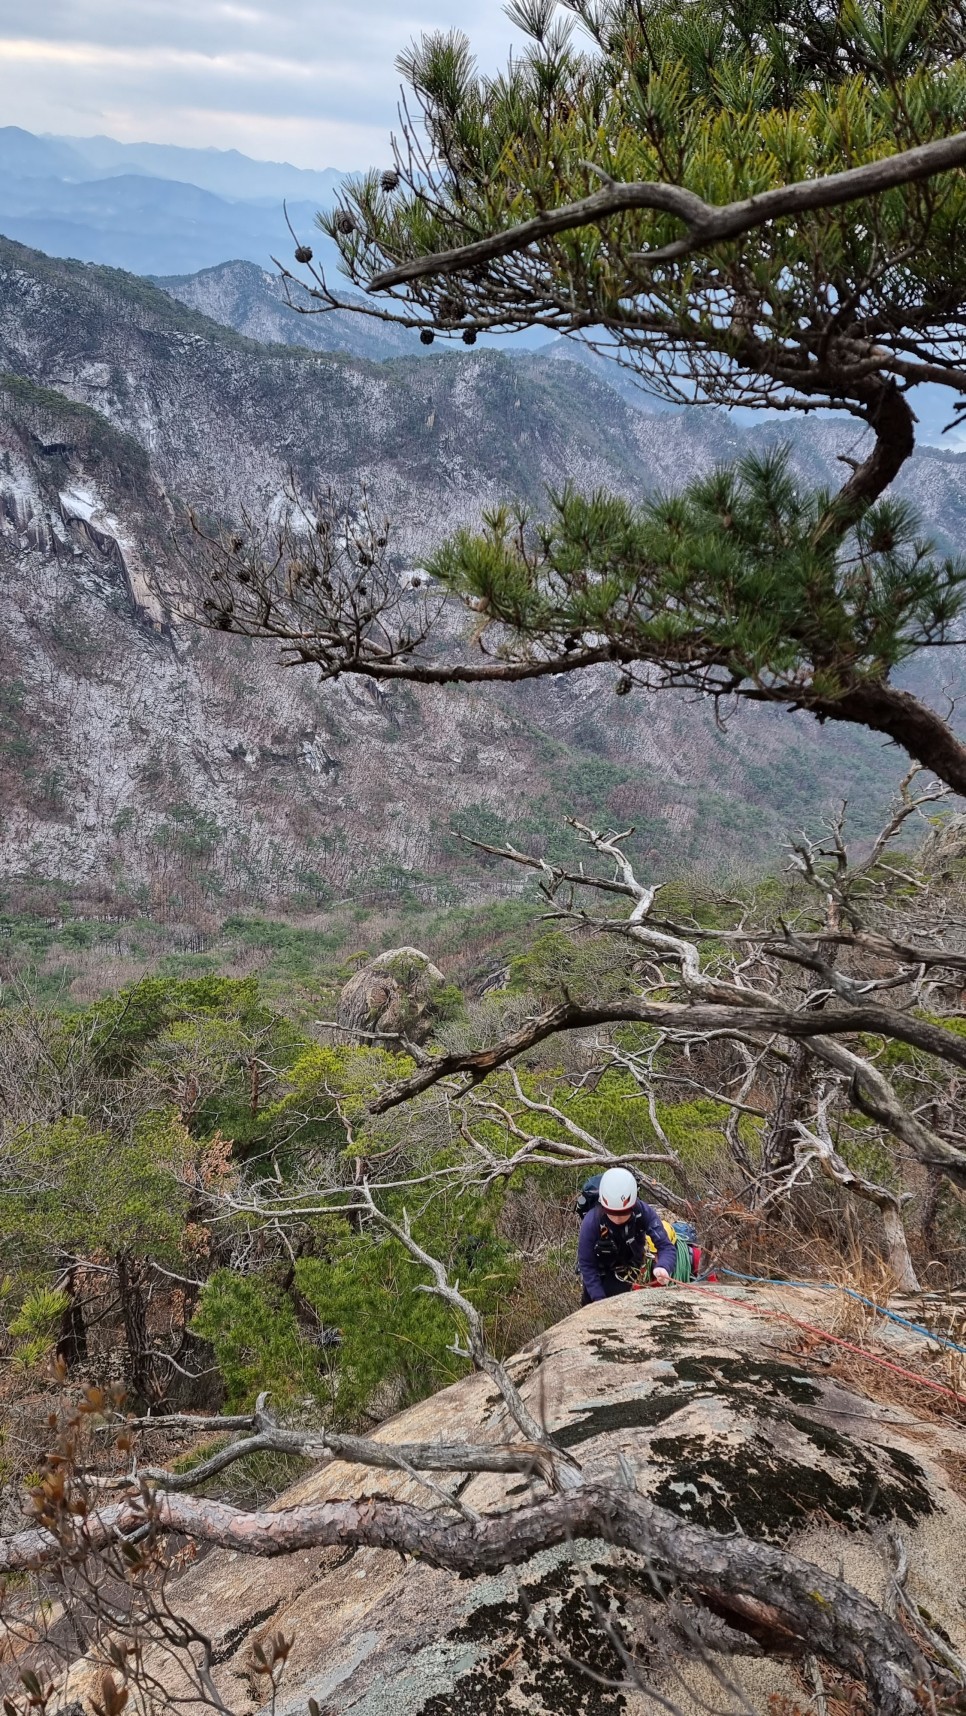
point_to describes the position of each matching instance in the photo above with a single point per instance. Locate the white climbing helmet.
(618, 1190)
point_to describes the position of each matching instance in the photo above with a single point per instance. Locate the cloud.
(313, 80)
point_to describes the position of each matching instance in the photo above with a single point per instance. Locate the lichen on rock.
(683, 1396)
(400, 993)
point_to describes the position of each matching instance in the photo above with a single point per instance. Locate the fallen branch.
(819, 1612)
(323, 1444)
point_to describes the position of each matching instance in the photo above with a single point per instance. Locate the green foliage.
(588, 969)
(131, 1021)
(695, 1130)
(728, 100)
(302, 950)
(448, 1003)
(189, 831)
(732, 573)
(395, 1338)
(258, 1344)
(35, 1325)
(741, 585)
(69, 1188)
(39, 1313)
(352, 1072)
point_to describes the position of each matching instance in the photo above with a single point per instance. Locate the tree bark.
(72, 1340)
(778, 1148)
(683, 1016)
(817, 1611)
(891, 420)
(921, 733)
(141, 1371)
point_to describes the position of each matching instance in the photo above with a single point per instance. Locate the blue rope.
(827, 1287)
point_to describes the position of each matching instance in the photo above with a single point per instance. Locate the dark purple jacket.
(599, 1273)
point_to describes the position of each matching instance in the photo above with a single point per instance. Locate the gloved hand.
(661, 1277)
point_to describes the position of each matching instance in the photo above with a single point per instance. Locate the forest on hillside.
(197, 1160)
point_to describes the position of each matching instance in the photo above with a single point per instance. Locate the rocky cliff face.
(697, 1398)
(189, 765)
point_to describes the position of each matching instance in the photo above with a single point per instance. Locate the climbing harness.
(610, 1247)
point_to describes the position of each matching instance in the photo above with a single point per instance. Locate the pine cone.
(427, 336)
(389, 179)
(344, 221)
(304, 253)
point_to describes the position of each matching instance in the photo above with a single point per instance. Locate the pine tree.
(750, 202)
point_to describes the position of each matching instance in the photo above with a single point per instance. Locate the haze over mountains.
(166, 211)
(152, 208)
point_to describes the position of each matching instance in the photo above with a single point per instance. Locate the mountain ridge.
(181, 767)
(54, 196)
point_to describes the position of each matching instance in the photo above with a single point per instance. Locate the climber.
(613, 1239)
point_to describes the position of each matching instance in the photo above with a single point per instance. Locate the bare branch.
(325, 1444)
(817, 1145)
(565, 1470)
(738, 1573)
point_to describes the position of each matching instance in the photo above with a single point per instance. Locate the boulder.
(945, 845)
(394, 993)
(699, 1397)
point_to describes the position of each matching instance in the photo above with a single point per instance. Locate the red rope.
(813, 1329)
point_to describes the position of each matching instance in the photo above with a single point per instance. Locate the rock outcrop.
(700, 1399)
(945, 845)
(396, 993)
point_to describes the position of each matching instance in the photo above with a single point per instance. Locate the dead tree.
(797, 1000)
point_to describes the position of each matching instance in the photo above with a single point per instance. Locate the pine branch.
(706, 224)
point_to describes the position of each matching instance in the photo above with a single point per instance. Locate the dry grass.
(876, 1383)
(861, 1272)
(547, 1290)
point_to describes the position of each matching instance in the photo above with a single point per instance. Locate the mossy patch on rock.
(518, 1672)
(641, 1413)
(740, 1379)
(766, 1492)
(749, 1386)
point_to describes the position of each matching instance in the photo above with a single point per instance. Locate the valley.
(179, 769)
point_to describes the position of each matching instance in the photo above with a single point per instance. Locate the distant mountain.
(225, 172)
(254, 302)
(184, 766)
(163, 211)
(22, 155)
(123, 205)
(623, 380)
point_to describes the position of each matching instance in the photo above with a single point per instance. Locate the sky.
(307, 81)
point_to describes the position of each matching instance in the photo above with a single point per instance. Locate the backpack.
(589, 1195)
(680, 1232)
